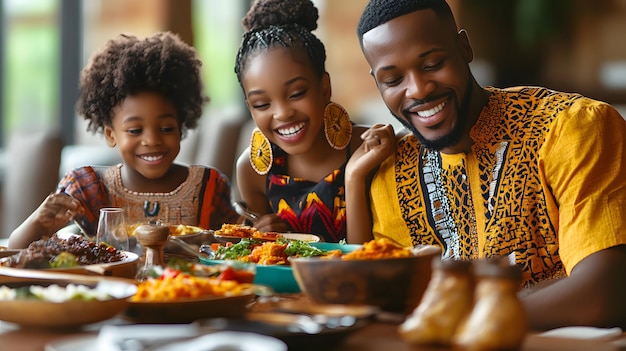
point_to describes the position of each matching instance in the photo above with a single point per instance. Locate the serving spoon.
(204, 253)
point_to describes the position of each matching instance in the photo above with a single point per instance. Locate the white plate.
(225, 340)
(312, 238)
(228, 340)
(584, 333)
(76, 343)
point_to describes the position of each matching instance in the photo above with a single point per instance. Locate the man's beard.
(451, 138)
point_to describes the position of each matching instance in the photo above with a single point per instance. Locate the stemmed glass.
(112, 228)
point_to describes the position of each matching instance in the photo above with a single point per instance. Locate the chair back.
(33, 157)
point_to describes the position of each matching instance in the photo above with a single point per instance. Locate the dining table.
(379, 333)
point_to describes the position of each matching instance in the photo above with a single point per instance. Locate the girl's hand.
(271, 223)
(379, 142)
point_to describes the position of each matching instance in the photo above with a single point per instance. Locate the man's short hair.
(378, 12)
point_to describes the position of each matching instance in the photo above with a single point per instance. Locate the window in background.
(31, 55)
(217, 34)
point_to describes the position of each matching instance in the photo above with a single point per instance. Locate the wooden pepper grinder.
(153, 238)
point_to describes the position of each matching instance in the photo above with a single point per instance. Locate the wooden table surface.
(378, 335)
(374, 336)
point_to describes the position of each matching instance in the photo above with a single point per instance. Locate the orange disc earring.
(337, 126)
(261, 156)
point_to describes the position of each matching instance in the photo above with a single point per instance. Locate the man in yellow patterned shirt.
(529, 173)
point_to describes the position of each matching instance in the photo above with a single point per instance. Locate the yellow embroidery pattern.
(507, 140)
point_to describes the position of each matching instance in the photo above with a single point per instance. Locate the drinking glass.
(112, 228)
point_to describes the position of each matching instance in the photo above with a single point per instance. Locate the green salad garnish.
(295, 248)
(182, 265)
(64, 260)
(301, 248)
(54, 293)
(240, 249)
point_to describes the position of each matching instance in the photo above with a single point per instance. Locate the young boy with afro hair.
(143, 94)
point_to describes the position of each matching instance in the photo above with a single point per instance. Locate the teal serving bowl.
(280, 278)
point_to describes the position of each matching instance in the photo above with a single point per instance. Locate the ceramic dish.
(191, 235)
(581, 332)
(7, 253)
(235, 239)
(345, 248)
(311, 238)
(188, 233)
(175, 229)
(221, 340)
(74, 343)
(326, 310)
(280, 278)
(394, 284)
(298, 331)
(228, 340)
(68, 314)
(186, 230)
(126, 268)
(187, 310)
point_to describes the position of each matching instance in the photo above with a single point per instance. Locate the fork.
(80, 226)
(243, 210)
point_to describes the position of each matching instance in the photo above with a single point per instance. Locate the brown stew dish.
(42, 253)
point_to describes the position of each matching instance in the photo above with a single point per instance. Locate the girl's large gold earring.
(337, 126)
(261, 157)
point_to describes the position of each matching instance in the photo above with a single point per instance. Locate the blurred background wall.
(569, 45)
(572, 45)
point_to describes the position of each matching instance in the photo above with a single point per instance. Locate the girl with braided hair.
(293, 172)
(142, 94)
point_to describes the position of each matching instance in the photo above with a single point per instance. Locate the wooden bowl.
(392, 284)
(69, 314)
(188, 310)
